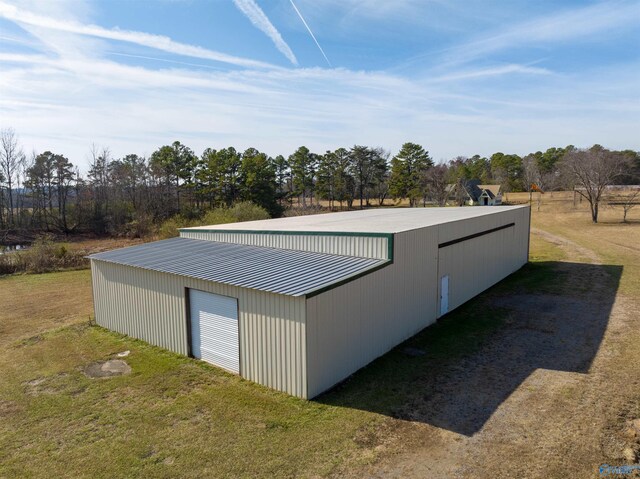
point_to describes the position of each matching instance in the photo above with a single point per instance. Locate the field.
(536, 378)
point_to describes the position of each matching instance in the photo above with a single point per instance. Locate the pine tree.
(408, 169)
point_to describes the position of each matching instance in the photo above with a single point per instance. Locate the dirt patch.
(46, 385)
(566, 243)
(30, 341)
(107, 369)
(7, 408)
(538, 399)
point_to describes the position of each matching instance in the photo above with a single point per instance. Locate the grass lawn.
(177, 417)
(33, 303)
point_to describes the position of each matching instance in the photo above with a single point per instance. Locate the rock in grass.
(630, 433)
(632, 430)
(629, 455)
(106, 369)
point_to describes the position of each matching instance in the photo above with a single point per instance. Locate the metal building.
(298, 304)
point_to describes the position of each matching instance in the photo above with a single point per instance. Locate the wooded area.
(46, 192)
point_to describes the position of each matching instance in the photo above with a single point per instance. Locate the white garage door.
(214, 329)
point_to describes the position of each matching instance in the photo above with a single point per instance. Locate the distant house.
(473, 193)
(487, 195)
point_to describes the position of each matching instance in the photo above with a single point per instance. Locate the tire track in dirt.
(556, 420)
(569, 246)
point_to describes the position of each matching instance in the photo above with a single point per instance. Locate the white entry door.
(214, 329)
(444, 295)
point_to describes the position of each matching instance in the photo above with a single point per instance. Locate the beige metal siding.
(478, 263)
(152, 306)
(361, 246)
(349, 326)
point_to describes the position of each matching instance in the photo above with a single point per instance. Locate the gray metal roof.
(375, 220)
(282, 271)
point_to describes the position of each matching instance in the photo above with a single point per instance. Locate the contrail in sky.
(310, 32)
(255, 14)
(158, 42)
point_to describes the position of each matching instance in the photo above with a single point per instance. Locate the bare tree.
(21, 178)
(590, 171)
(437, 179)
(10, 158)
(98, 175)
(530, 173)
(1, 201)
(627, 202)
(533, 178)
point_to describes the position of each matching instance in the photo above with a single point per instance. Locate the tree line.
(47, 192)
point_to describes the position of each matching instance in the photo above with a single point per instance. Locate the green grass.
(33, 303)
(172, 417)
(541, 250)
(389, 382)
(177, 417)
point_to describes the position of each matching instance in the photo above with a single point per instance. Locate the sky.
(460, 77)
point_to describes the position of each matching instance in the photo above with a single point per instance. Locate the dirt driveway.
(551, 395)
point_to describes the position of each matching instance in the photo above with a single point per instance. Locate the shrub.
(60, 252)
(138, 228)
(247, 211)
(244, 211)
(42, 257)
(217, 216)
(7, 265)
(169, 228)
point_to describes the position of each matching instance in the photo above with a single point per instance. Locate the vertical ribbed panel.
(152, 306)
(350, 326)
(361, 246)
(476, 264)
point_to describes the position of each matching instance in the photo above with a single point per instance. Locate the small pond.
(11, 248)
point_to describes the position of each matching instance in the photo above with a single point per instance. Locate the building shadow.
(456, 373)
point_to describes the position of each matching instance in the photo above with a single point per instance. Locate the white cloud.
(568, 25)
(376, 9)
(255, 14)
(65, 105)
(158, 42)
(492, 72)
(64, 102)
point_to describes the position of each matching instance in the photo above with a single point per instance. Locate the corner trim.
(346, 280)
(529, 236)
(187, 304)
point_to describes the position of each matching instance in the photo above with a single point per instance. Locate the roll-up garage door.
(214, 329)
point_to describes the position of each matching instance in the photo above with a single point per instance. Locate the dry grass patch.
(176, 417)
(97, 245)
(614, 242)
(33, 303)
(171, 417)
